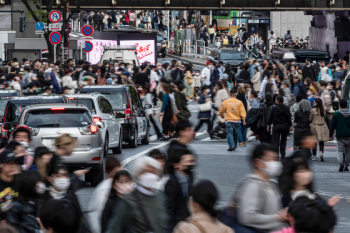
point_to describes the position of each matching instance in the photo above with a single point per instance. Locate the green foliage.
(41, 14)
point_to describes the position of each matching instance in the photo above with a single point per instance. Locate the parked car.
(103, 115)
(128, 109)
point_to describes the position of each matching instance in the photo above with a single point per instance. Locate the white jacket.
(206, 76)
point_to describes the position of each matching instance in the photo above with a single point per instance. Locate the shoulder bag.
(207, 106)
(198, 225)
(144, 216)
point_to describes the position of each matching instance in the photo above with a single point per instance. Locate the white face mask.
(197, 74)
(337, 69)
(24, 144)
(273, 168)
(148, 180)
(125, 188)
(41, 188)
(61, 184)
(309, 93)
(273, 79)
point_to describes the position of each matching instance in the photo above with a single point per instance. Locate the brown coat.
(208, 223)
(318, 126)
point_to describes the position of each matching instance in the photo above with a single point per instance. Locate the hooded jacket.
(341, 124)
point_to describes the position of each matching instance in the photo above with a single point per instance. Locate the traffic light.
(22, 24)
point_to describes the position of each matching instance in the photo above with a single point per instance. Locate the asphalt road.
(226, 169)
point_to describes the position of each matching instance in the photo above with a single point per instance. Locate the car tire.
(97, 176)
(119, 149)
(133, 143)
(147, 139)
(105, 147)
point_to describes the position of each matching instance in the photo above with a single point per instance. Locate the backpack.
(144, 19)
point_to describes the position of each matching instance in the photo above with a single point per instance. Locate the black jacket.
(214, 76)
(176, 205)
(110, 207)
(96, 17)
(177, 76)
(142, 79)
(175, 146)
(309, 72)
(302, 120)
(244, 77)
(22, 216)
(277, 118)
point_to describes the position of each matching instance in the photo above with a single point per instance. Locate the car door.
(114, 124)
(142, 118)
(136, 111)
(103, 115)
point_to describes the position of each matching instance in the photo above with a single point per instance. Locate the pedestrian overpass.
(292, 5)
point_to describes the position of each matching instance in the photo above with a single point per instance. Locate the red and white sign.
(87, 30)
(145, 49)
(55, 16)
(55, 38)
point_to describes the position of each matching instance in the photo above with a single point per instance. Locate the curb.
(186, 59)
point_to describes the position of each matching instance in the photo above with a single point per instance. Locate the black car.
(301, 54)
(227, 56)
(161, 45)
(5, 95)
(128, 109)
(15, 106)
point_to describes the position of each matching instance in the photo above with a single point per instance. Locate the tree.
(38, 14)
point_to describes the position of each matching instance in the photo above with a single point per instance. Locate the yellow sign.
(233, 30)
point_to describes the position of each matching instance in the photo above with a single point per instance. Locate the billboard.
(145, 49)
(97, 51)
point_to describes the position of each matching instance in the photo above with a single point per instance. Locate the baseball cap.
(7, 155)
(207, 62)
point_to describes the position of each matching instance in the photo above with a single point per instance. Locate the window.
(104, 106)
(87, 102)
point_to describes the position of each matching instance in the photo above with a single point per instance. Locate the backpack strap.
(198, 225)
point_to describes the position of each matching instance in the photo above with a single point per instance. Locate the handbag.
(205, 107)
(144, 216)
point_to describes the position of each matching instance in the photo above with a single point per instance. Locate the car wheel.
(97, 176)
(133, 143)
(119, 149)
(105, 147)
(147, 139)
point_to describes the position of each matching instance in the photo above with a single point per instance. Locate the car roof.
(49, 106)
(107, 86)
(92, 95)
(228, 50)
(38, 97)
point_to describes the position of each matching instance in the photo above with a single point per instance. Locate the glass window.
(3, 103)
(61, 118)
(87, 102)
(231, 56)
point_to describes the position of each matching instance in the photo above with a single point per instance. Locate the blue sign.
(39, 26)
(88, 47)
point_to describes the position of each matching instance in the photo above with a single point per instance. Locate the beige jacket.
(210, 225)
(256, 81)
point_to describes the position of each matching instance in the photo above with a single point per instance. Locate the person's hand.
(207, 100)
(216, 111)
(178, 111)
(334, 201)
(152, 114)
(76, 69)
(282, 215)
(161, 114)
(244, 122)
(291, 128)
(79, 173)
(268, 128)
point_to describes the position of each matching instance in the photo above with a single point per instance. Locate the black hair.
(156, 154)
(176, 158)
(26, 183)
(290, 167)
(319, 106)
(182, 125)
(206, 195)
(86, 67)
(219, 84)
(180, 87)
(274, 97)
(299, 97)
(312, 215)
(205, 87)
(254, 93)
(117, 175)
(111, 163)
(259, 151)
(40, 151)
(56, 168)
(12, 145)
(21, 129)
(61, 216)
(279, 99)
(343, 103)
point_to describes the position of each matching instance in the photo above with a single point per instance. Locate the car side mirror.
(7, 126)
(148, 106)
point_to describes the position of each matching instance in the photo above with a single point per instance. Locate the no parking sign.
(88, 47)
(55, 16)
(55, 38)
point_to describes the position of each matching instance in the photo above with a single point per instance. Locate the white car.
(120, 53)
(103, 116)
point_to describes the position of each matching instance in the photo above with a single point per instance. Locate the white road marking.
(138, 155)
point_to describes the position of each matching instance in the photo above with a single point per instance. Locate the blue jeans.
(156, 26)
(232, 134)
(248, 54)
(202, 42)
(242, 134)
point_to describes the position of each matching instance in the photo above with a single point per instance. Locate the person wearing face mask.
(142, 210)
(309, 71)
(197, 78)
(23, 214)
(121, 186)
(179, 187)
(311, 96)
(280, 118)
(299, 88)
(206, 73)
(204, 216)
(256, 188)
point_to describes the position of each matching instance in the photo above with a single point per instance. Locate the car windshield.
(15, 107)
(87, 102)
(159, 38)
(57, 118)
(116, 97)
(230, 56)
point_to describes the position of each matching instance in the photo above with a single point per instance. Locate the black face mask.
(189, 170)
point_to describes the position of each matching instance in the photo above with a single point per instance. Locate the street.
(226, 169)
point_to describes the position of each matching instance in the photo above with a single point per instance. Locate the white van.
(120, 53)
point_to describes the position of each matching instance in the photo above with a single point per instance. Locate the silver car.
(103, 115)
(49, 121)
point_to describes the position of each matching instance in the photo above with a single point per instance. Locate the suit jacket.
(176, 203)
